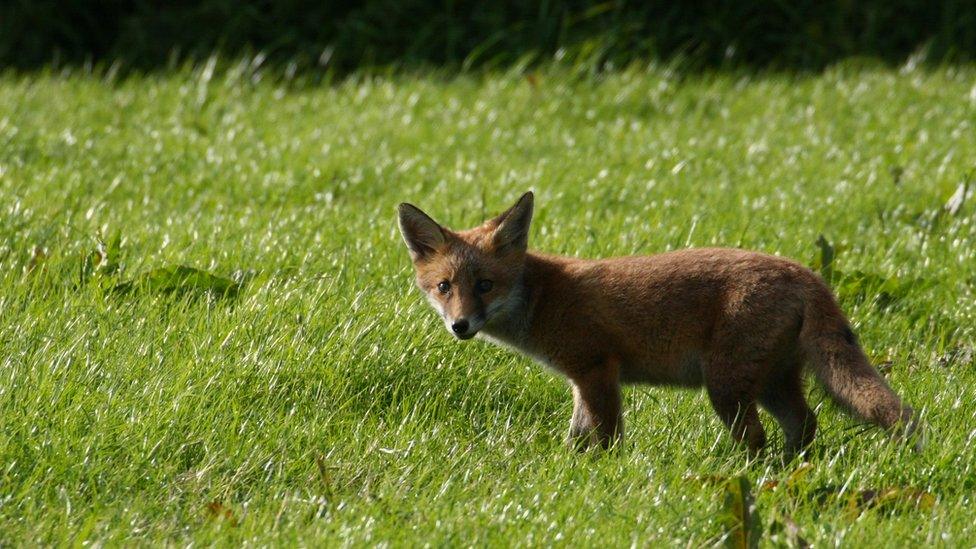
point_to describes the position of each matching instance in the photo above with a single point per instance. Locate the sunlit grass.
(325, 403)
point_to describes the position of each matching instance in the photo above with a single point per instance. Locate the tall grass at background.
(323, 38)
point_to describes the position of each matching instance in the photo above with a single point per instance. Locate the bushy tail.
(835, 356)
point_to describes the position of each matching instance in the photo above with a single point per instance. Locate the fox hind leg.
(783, 397)
(732, 393)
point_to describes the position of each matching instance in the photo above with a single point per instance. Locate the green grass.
(325, 404)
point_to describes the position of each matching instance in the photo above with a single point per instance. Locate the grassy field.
(324, 403)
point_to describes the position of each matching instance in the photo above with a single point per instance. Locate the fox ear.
(422, 234)
(512, 227)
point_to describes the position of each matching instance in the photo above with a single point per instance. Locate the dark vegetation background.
(337, 36)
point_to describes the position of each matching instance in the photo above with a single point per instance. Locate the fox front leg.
(597, 417)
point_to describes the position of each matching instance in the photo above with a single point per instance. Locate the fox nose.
(460, 326)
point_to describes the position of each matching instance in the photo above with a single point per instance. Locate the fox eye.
(444, 287)
(483, 286)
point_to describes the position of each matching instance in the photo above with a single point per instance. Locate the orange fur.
(740, 323)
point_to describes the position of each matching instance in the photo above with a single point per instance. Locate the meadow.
(290, 385)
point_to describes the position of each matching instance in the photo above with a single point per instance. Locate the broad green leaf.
(739, 515)
(180, 279)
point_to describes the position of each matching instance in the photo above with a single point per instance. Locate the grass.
(325, 404)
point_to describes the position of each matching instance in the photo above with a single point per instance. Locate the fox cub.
(740, 323)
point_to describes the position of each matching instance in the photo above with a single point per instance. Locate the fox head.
(470, 277)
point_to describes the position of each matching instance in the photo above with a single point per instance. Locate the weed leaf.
(181, 279)
(739, 515)
(825, 262)
(860, 285)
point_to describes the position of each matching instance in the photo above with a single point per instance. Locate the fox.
(743, 324)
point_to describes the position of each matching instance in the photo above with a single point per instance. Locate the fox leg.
(597, 417)
(732, 393)
(783, 398)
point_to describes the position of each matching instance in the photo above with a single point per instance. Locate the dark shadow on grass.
(326, 39)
